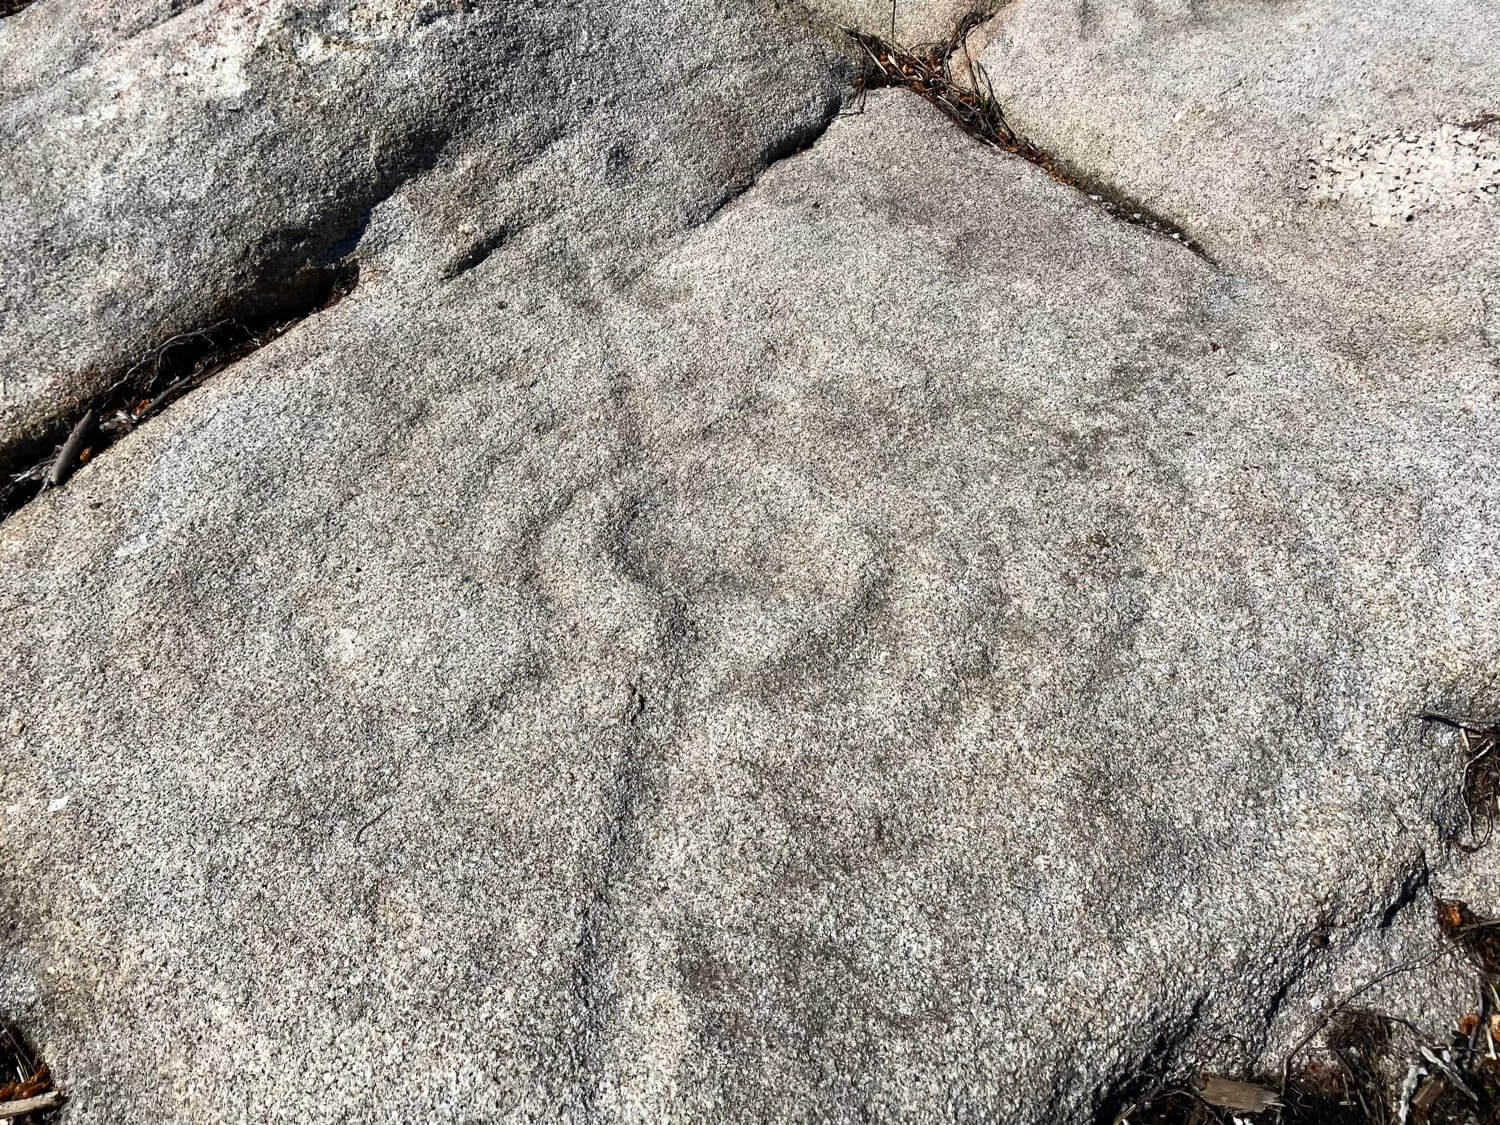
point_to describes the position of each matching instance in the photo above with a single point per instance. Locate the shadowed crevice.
(793, 143)
(1415, 882)
(174, 368)
(281, 275)
(477, 253)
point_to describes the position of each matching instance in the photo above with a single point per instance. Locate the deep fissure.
(174, 368)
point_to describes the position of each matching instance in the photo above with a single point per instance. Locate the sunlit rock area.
(744, 560)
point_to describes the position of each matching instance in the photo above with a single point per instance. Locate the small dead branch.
(927, 71)
(1242, 1097)
(172, 369)
(67, 456)
(27, 1093)
(1343, 1006)
(1478, 937)
(25, 1107)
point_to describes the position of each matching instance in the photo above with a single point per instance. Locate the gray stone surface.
(1345, 150)
(879, 640)
(906, 21)
(190, 171)
(41, 44)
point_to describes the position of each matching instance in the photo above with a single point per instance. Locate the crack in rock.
(1412, 885)
(477, 253)
(797, 141)
(638, 782)
(632, 783)
(928, 71)
(174, 368)
(1117, 1099)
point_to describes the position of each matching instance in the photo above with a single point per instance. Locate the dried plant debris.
(1478, 937)
(1242, 1097)
(27, 1095)
(1372, 1068)
(1480, 741)
(927, 70)
(179, 365)
(963, 91)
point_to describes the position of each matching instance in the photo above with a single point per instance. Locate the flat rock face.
(742, 612)
(906, 21)
(196, 170)
(1344, 150)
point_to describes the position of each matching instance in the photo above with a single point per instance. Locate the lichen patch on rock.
(1396, 177)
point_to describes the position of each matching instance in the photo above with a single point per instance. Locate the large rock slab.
(888, 642)
(201, 169)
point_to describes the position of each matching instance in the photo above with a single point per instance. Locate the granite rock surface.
(746, 603)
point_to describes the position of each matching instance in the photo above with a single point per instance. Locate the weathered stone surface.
(43, 44)
(907, 21)
(1345, 150)
(903, 644)
(193, 171)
